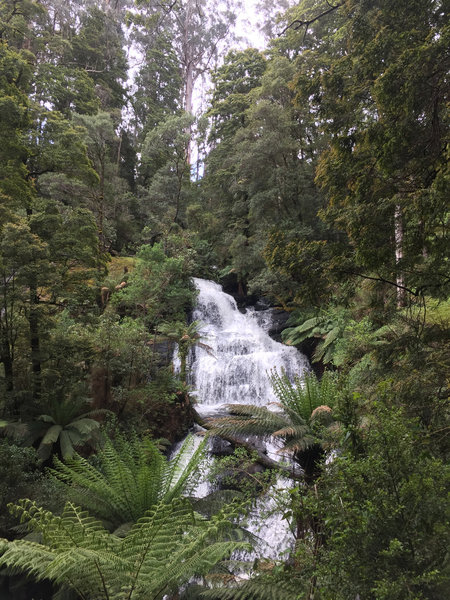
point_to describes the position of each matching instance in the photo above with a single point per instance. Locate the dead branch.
(298, 23)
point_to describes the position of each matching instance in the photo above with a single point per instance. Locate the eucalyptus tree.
(180, 43)
(198, 32)
(203, 29)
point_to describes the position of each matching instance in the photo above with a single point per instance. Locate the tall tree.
(385, 173)
(202, 29)
(192, 35)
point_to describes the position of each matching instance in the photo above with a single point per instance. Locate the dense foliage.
(315, 175)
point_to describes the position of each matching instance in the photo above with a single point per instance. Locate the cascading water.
(235, 369)
(241, 353)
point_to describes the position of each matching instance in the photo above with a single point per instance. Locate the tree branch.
(418, 292)
(297, 23)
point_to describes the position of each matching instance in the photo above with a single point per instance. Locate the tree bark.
(34, 340)
(398, 236)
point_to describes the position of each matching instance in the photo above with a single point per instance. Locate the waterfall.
(234, 369)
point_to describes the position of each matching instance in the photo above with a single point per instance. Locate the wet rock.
(262, 304)
(220, 447)
(278, 323)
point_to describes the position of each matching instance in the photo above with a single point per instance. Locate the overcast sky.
(248, 25)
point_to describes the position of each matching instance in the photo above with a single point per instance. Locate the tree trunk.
(7, 361)
(189, 88)
(263, 459)
(398, 235)
(188, 69)
(34, 340)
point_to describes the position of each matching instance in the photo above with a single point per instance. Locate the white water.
(235, 369)
(241, 353)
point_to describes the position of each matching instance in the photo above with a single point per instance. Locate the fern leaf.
(52, 435)
(134, 476)
(162, 551)
(180, 470)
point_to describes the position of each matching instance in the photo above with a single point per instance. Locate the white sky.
(247, 25)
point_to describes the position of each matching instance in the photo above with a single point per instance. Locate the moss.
(117, 265)
(438, 312)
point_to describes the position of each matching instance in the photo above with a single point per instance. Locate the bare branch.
(167, 9)
(297, 23)
(416, 293)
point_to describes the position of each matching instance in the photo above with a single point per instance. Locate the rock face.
(279, 320)
(220, 447)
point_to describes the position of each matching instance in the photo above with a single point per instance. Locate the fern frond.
(248, 420)
(296, 335)
(133, 475)
(52, 435)
(161, 552)
(23, 556)
(181, 468)
(260, 587)
(304, 395)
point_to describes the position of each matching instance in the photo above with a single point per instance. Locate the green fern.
(187, 336)
(328, 327)
(305, 394)
(293, 423)
(304, 412)
(260, 588)
(65, 426)
(168, 546)
(132, 476)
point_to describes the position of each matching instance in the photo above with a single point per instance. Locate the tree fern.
(303, 411)
(328, 327)
(131, 477)
(64, 427)
(162, 551)
(305, 394)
